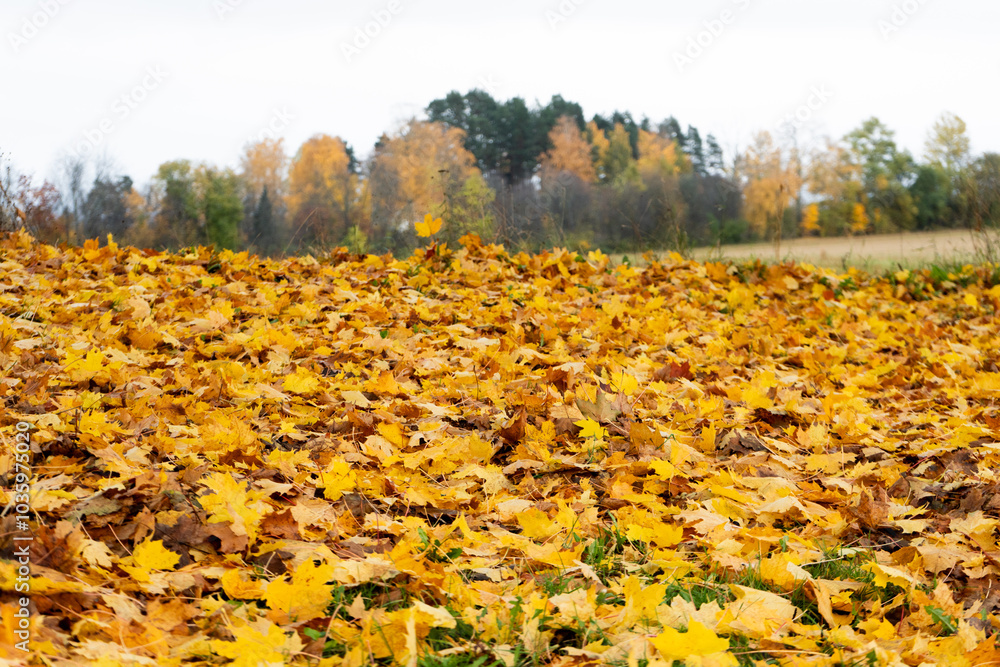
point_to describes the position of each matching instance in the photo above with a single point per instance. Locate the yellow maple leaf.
(779, 570)
(337, 478)
(878, 628)
(96, 553)
(238, 588)
(642, 600)
(627, 384)
(301, 382)
(537, 525)
(260, 643)
(384, 385)
(304, 598)
(757, 613)
(391, 432)
(591, 429)
(697, 641)
(83, 367)
(886, 574)
(152, 555)
(428, 227)
(231, 503)
(666, 535)
(398, 633)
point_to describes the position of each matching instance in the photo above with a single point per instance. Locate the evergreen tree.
(263, 232)
(671, 129)
(105, 210)
(695, 150)
(714, 161)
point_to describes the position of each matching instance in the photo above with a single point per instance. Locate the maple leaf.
(258, 643)
(301, 382)
(149, 557)
(83, 367)
(591, 429)
(303, 598)
(757, 613)
(537, 525)
(239, 588)
(697, 641)
(232, 503)
(337, 479)
(601, 410)
(428, 227)
(152, 555)
(886, 574)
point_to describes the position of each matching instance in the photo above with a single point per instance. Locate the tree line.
(528, 177)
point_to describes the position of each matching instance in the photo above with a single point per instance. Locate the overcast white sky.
(227, 69)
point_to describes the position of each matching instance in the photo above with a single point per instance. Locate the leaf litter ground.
(476, 458)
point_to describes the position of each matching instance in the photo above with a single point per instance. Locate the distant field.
(865, 252)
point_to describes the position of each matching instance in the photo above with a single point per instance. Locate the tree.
(35, 208)
(810, 219)
(599, 145)
(658, 155)
(414, 172)
(570, 153)
(886, 173)
(72, 190)
(552, 114)
(567, 170)
(836, 181)
(712, 208)
(623, 118)
(40, 208)
(505, 138)
(671, 129)
(618, 164)
(469, 211)
(476, 114)
(772, 181)
(175, 204)
(947, 150)
(931, 193)
(947, 145)
(323, 191)
(981, 190)
(521, 140)
(11, 215)
(263, 232)
(695, 150)
(194, 205)
(107, 208)
(220, 206)
(659, 166)
(714, 160)
(262, 167)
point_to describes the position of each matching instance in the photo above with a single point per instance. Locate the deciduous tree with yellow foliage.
(323, 191)
(424, 167)
(570, 153)
(772, 181)
(263, 165)
(810, 219)
(658, 155)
